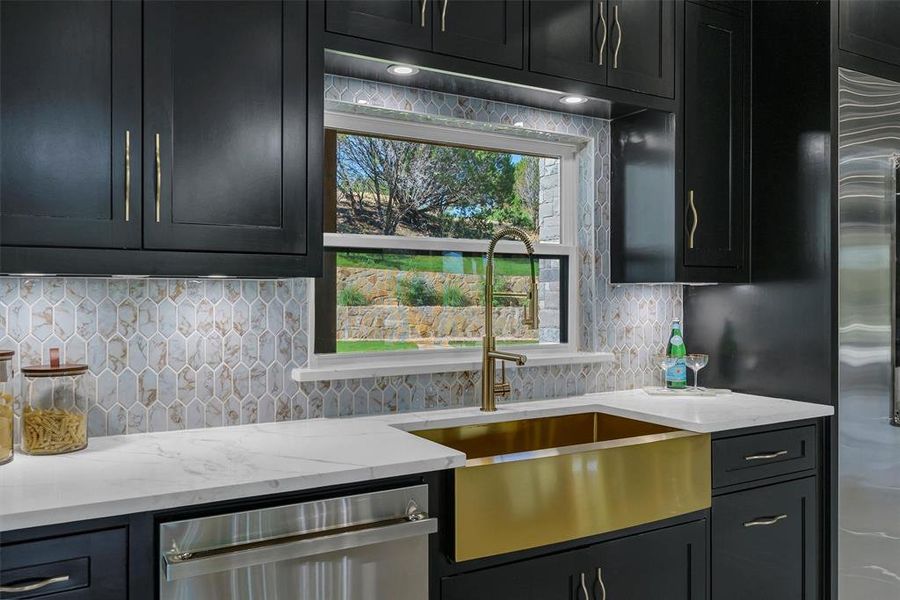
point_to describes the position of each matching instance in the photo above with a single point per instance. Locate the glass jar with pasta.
(7, 406)
(54, 407)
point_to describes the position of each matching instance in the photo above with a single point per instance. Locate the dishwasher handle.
(182, 565)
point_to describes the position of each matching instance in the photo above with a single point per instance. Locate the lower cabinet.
(667, 563)
(85, 566)
(765, 542)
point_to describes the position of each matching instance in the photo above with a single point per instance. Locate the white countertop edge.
(383, 368)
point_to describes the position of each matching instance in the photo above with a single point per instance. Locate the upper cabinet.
(225, 121)
(70, 113)
(488, 31)
(194, 152)
(628, 44)
(869, 28)
(715, 146)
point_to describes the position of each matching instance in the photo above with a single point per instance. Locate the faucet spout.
(489, 386)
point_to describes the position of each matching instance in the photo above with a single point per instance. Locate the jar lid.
(54, 371)
(7, 354)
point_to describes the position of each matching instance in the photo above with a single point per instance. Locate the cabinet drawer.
(765, 542)
(760, 455)
(87, 566)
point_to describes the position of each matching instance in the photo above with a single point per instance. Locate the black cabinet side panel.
(775, 337)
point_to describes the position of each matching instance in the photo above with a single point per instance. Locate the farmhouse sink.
(532, 482)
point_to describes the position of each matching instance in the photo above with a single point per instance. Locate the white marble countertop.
(125, 474)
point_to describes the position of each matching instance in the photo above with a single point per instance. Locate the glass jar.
(7, 408)
(54, 408)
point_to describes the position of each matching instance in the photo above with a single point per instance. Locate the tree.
(528, 186)
(433, 190)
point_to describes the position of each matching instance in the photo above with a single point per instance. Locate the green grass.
(373, 346)
(510, 267)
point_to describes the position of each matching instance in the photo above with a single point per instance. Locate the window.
(409, 212)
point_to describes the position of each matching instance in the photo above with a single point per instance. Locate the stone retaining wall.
(427, 322)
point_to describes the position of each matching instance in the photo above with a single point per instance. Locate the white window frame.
(424, 361)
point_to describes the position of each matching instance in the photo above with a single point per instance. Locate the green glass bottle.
(676, 375)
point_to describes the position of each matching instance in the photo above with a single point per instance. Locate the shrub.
(503, 284)
(454, 296)
(351, 296)
(416, 291)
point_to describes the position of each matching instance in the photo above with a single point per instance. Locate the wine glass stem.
(696, 372)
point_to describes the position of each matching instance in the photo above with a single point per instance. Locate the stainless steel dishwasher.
(365, 547)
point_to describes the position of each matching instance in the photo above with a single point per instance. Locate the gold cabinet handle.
(424, 4)
(696, 219)
(584, 589)
(30, 587)
(602, 585)
(444, 17)
(127, 175)
(158, 178)
(601, 22)
(768, 456)
(765, 521)
(619, 39)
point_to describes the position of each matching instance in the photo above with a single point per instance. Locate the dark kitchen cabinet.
(70, 113)
(84, 566)
(668, 563)
(715, 151)
(570, 39)
(765, 542)
(490, 31)
(642, 46)
(628, 44)
(676, 557)
(225, 114)
(404, 23)
(871, 28)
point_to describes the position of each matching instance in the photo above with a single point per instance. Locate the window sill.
(387, 367)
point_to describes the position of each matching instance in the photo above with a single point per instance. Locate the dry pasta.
(52, 431)
(6, 425)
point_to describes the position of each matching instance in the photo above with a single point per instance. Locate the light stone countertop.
(134, 473)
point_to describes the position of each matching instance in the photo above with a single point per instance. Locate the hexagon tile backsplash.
(185, 353)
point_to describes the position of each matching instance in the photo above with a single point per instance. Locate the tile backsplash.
(182, 353)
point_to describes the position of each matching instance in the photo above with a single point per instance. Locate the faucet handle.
(502, 387)
(530, 319)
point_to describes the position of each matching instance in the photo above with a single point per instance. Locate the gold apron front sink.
(533, 482)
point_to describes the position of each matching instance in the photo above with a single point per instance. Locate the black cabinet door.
(399, 22)
(668, 563)
(642, 46)
(70, 113)
(765, 543)
(871, 28)
(570, 38)
(715, 151)
(554, 577)
(489, 31)
(225, 116)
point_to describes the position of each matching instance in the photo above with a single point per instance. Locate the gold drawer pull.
(444, 17)
(158, 178)
(127, 175)
(424, 4)
(696, 220)
(765, 521)
(766, 456)
(601, 22)
(619, 39)
(30, 587)
(584, 589)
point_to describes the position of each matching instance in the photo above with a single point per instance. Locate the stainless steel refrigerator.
(869, 451)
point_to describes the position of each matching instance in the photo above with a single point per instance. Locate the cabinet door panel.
(642, 46)
(226, 94)
(715, 150)
(871, 28)
(669, 563)
(567, 39)
(401, 22)
(489, 31)
(553, 577)
(69, 92)
(765, 542)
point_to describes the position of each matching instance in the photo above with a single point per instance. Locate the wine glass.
(665, 362)
(695, 362)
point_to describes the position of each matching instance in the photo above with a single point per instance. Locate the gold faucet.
(489, 386)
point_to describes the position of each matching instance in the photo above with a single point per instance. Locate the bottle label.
(676, 375)
(676, 340)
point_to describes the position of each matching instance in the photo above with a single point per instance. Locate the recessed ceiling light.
(217, 276)
(362, 101)
(573, 99)
(404, 70)
(37, 275)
